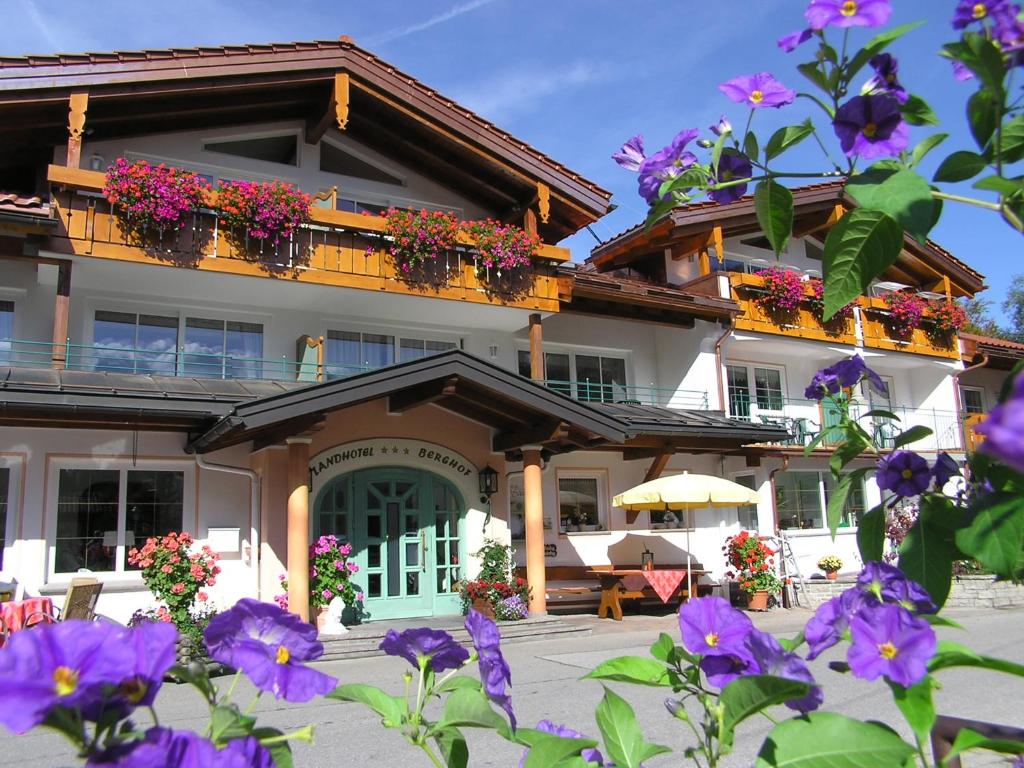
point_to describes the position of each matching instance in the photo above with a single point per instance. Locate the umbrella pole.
(689, 581)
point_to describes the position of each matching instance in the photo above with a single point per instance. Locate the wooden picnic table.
(619, 584)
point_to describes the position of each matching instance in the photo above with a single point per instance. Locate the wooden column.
(298, 526)
(61, 311)
(77, 106)
(535, 574)
(536, 348)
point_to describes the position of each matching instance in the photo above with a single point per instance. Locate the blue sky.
(573, 77)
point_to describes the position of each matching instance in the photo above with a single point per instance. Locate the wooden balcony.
(878, 334)
(972, 420)
(801, 323)
(335, 248)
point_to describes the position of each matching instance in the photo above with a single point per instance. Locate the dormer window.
(282, 149)
(334, 159)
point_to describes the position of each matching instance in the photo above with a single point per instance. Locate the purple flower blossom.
(889, 641)
(712, 627)
(494, 670)
(770, 658)
(842, 375)
(824, 382)
(904, 473)
(666, 164)
(430, 647)
(164, 748)
(591, 756)
(830, 621)
(889, 584)
(961, 72)
(793, 40)
(631, 156)
(945, 469)
(731, 165)
(978, 11)
(267, 644)
(245, 753)
(1004, 429)
(886, 79)
(847, 13)
(63, 665)
(722, 126)
(757, 91)
(722, 670)
(152, 644)
(871, 126)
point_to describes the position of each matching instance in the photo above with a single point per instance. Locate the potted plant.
(782, 292)
(906, 312)
(496, 592)
(760, 586)
(830, 565)
(754, 567)
(149, 197)
(330, 577)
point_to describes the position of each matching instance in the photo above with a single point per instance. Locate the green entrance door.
(405, 529)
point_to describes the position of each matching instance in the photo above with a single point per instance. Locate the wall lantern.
(647, 560)
(488, 483)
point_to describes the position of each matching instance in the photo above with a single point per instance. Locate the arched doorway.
(406, 530)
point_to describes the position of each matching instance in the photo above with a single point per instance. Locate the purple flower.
(494, 670)
(164, 748)
(871, 126)
(793, 40)
(770, 658)
(722, 670)
(63, 665)
(885, 79)
(757, 91)
(961, 72)
(245, 753)
(424, 646)
(631, 156)
(591, 756)
(889, 584)
(153, 646)
(889, 641)
(824, 382)
(722, 126)
(267, 644)
(977, 11)
(1004, 429)
(945, 468)
(904, 473)
(712, 627)
(665, 164)
(731, 165)
(841, 375)
(847, 13)
(830, 621)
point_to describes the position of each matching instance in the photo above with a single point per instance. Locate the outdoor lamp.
(488, 483)
(647, 560)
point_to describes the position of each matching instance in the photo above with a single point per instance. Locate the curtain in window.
(6, 330)
(245, 350)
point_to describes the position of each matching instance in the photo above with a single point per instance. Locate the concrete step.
(363, 641)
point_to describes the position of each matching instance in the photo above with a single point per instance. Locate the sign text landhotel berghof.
(393, 450)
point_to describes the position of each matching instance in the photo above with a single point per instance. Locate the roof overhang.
(990, 352)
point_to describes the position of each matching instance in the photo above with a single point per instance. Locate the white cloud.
(41, 25)
(433, 21)
(520, 90)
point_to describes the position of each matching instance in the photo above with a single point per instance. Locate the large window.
(5, 489)
(589, 377)
(352, 352)
(270, 149)
(754, 389)
(973, 399)
(581, 505)
(802, 497)
(222, 349)
(747, 513)
(101, 513)
(124, 342)
(6, 330)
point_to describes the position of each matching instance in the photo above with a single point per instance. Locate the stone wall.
(967, 592)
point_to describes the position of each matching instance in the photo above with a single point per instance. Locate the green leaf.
(787, 137)
(984, 58)
(716, 152)
(827, 739)
(392, 709)
(750, 148)
(904, 195)
(916, 111)
(622, 736)
(811, 71)
(749, 695)
(1005, 187)
(995, 534)
(773, 204)
(960, 166)
(1011, 143)
(457, 683)
(227, 722)
(967, 739)
(917, 707)
(876, 45)
(550, 751)
(281, 751)
(663, 647)
(925, 146)
(632, 669)
(928, 551)
(837, 502)
(453, 747)
(862, 245)
(466, 708)
(949, 654)
(912, 435)
(851, 448)
(983, 113)
(871, 534)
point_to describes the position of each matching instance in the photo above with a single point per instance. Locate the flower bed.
(152, 197)
(262, 211)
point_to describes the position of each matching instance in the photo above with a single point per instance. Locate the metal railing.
(596, 392)
(804, 419)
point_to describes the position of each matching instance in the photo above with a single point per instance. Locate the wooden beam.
(534, 435)
(543, 201)
(536, 348)
(61, 313)
(658, 465)
(78, 103)
(422, 394)
(530, 222)
(336, 112)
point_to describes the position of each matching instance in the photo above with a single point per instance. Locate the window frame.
(259, 361)
(255, 135)
(751, 370)
(964, 388)
(123, 466)
(823, 492)
(603, 499)
(575, 391)
(757, 511)
(14, 464)
(397, 334)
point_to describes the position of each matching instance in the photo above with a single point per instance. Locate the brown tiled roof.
(345, 43)
(992, 341)
(31, 206)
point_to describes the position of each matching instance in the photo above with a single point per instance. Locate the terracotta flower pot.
(831, 575)
(483, 606)
(758, 601)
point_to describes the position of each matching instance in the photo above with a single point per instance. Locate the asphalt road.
(546, 685)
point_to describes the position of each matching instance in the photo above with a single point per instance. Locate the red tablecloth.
(16, 612)
(665, 583)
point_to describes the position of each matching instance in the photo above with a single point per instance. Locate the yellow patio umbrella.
(686, 492)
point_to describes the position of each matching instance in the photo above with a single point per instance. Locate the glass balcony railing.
(596, 392)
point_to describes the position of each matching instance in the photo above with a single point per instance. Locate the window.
(6, 330)
(5, 488)
(754, 389)
(336, 160)
(269, 149)
(358, 206)
(596, 378)
(414, 349)
(747, 513)
(352, 352)
(801, 499)
(222, 349)
(101, 513)
(124, 342)
(580, 505)
(517, 508)
(973, 399)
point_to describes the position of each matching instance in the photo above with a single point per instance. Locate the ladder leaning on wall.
(796, 593)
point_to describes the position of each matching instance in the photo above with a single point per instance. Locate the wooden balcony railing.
(335, 248)
(878, 334)
(802, 322)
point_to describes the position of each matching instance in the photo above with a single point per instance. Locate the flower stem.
(234, 683)
(430, 753)
(966, 200)
(417, 714)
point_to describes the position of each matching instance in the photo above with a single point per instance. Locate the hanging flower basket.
(906, 312)
(154, 198)
(267, 212)
(783, 290)
(418, 238)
